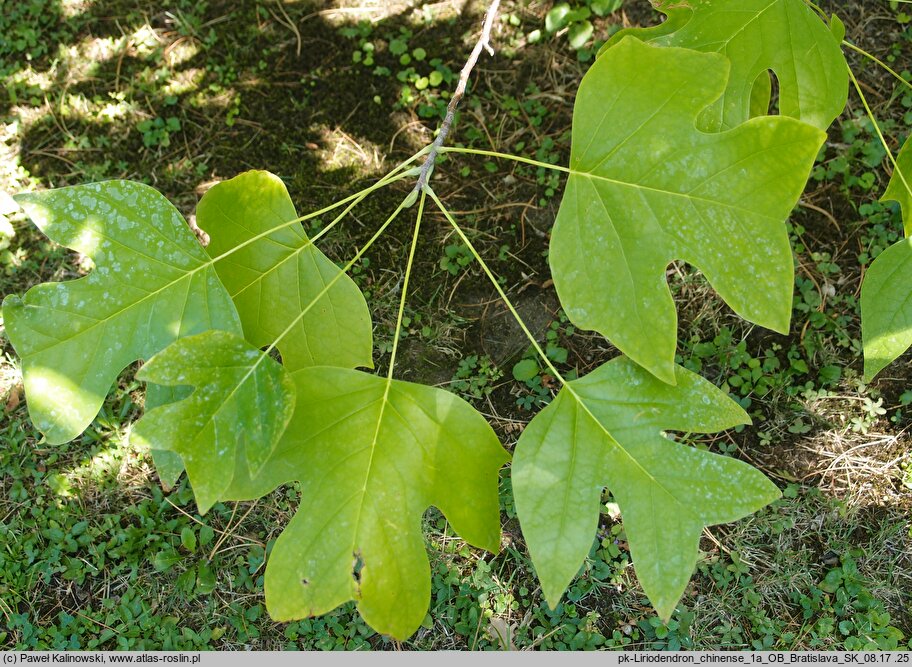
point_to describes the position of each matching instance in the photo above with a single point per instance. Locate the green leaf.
(837, 27)
(168, 465)
(371, 456)
(605, 7)
(525, 369)
(556, 18)
(165, 559)
(646, 187)
(152, 284)
(188, 539)
(272, 280)
(240, 406)
(607, 429)
(398, 46)
(785, 36)
(899, 187)
(886, 308)
(205, 579)
(761, 94)
(579, 33)
(207, 534)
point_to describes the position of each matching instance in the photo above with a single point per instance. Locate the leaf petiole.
(405, 281)
(878, 61)
(864, 101)
(337, 277)
(397, 174)
(505, 156)
(503, 295)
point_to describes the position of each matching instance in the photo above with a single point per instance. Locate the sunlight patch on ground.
(339, 150)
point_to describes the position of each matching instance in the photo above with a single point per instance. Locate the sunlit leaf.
(784, 36)
(606, 429)
(277, 276)
(152, 284)
(241, 402)
(371, 456)
(646, 187)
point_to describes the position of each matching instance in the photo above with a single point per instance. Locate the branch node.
(484, 42)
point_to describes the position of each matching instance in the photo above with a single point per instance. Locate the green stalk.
(395, 175)
(336, 278)
(883, 141)
(877, 60)
(505, 156)
(405, 284)
(500, 290)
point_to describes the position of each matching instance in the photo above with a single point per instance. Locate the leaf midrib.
(622, 449)
(687, 196)
(209, 263)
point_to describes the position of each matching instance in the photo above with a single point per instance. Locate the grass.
(96, 554)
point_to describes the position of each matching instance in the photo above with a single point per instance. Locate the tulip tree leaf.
(761, 94)
(900, 187)
(784, 36)
(371, 456)
(168, 464)
(646, 187)
(605, 429)
(886, 308)
(152, 284)
(240, 406)
(886, 293)
(276, 277)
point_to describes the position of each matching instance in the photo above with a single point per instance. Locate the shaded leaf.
(152, 284)
(371, 456)
(785, 36)
(646, 187)
(168, 464)
(241, 402)
(886, 293)
(886, 308)
(276, 277)
(525, 369)
(900, 187)
(606, 429)
(837, 27)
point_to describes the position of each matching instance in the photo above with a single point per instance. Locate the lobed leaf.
(899, 188)
(240, 406)
(646, 187)
(168, 464)
(607, 429)
(886, 293)
(757, 36)
(273, 279)
(152, 284)
(886, 308)
(371, 455)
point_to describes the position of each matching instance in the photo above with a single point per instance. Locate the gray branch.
(483, 43)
